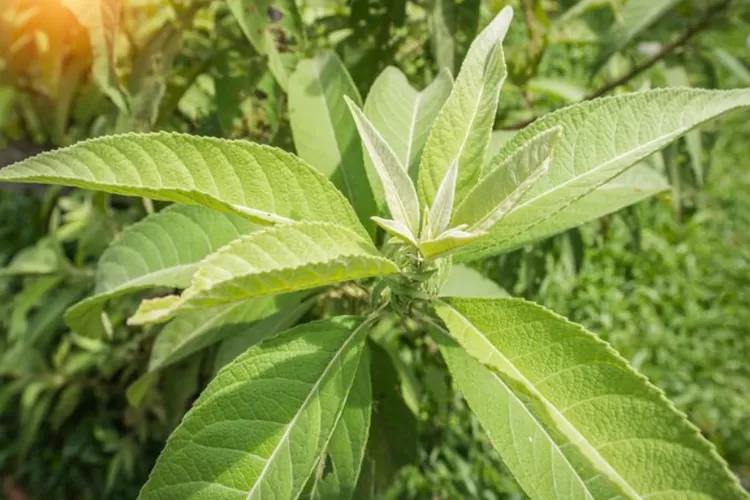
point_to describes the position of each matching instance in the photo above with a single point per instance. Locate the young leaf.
(324, 132)
(462, 129)
(464, 281)
(400, 195)
(622, 426)
(442, 208)
(340, 465)
(397, 229)
(404, 116)
(226, 448)
(281, 259)
(163, 249)
(503, 187)
(602, 139)
(264, 184)
(449, 241)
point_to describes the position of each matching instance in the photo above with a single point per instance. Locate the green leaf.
(340, 465)
(502, 188)
(259, 428)
(163, 249)
(734, 65)
(464, 281)
(441, 211)
(566, 90)
(404, 116)
(462, 129)
(452, 25)
(275, 29)
(636, 16)
(448, 242)
(196, 330)
(677, 76)
(400, 195)
(324, 132)
(281, 259)
(618, 423)
(264, 184)
(602, 139)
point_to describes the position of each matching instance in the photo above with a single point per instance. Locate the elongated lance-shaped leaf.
(281, 259)
(227, 449)
(336, 476)
(502, 188)
(162, 250)
(275, 29)
(404, 116)
(264, 184)
(528, 449)
(449, 242)
(602, 139)
(462, 129)
(195, 330)
(397, 229)
(400, 195)
(622, 426)
(441, 211)
(324, 131)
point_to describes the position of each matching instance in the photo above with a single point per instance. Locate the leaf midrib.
(565, 426)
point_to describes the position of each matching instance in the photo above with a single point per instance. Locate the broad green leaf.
(233, 346)
(275, 29)
(400, 195)
(281, 259)
(101, 19)
(536, 461)
(621, 425)
(190, 332)
(602, 139)
(264, 184)
(404, 116)
(636, 16)
(297, 385)
(502, 188)
(464, 281)
(324, 132)
(462, 129)
(340, 465)
(162, 250)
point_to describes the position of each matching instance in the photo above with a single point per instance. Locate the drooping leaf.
(163, 250)
(275, 29)
(226, 448)
(324, 132)
(282, 259)
(677, 76)
(636, 16)
(404, 116)
(619, 424)
(450, 241)
(462, 129)
(602, 139)
(400, 195)
(504, 186)
(340, 465)
(264, 184)
(464, 281)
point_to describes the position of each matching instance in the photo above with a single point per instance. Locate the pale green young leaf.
(336, 475)
(282, 259)
(462, 129)
(404, 116)
(264, 184)
(449, 242)
(324, 131)
(636, 16)
(275, 29)
(502, 188)
(464, 281)
(228, 449)
(162, 250)
(397, 229)
(400, 195)
(622, 426)
(602, 139)
(441, 210)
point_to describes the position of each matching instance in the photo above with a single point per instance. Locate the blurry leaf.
(462, 129)
(179, 383)
(308, 373)
(452, 26)
(235, 82)
(676, 76)
(324, 131)
(565, 90)
(138, 391)
(35, 402)
(734, 65)
(41, 258)
(164, 249)
(464, 281)
(498, 139)
(67, 402)
(31, 296)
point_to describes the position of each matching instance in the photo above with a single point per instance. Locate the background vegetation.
(665, 282)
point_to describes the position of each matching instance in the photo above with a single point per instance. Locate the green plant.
(264, 237)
